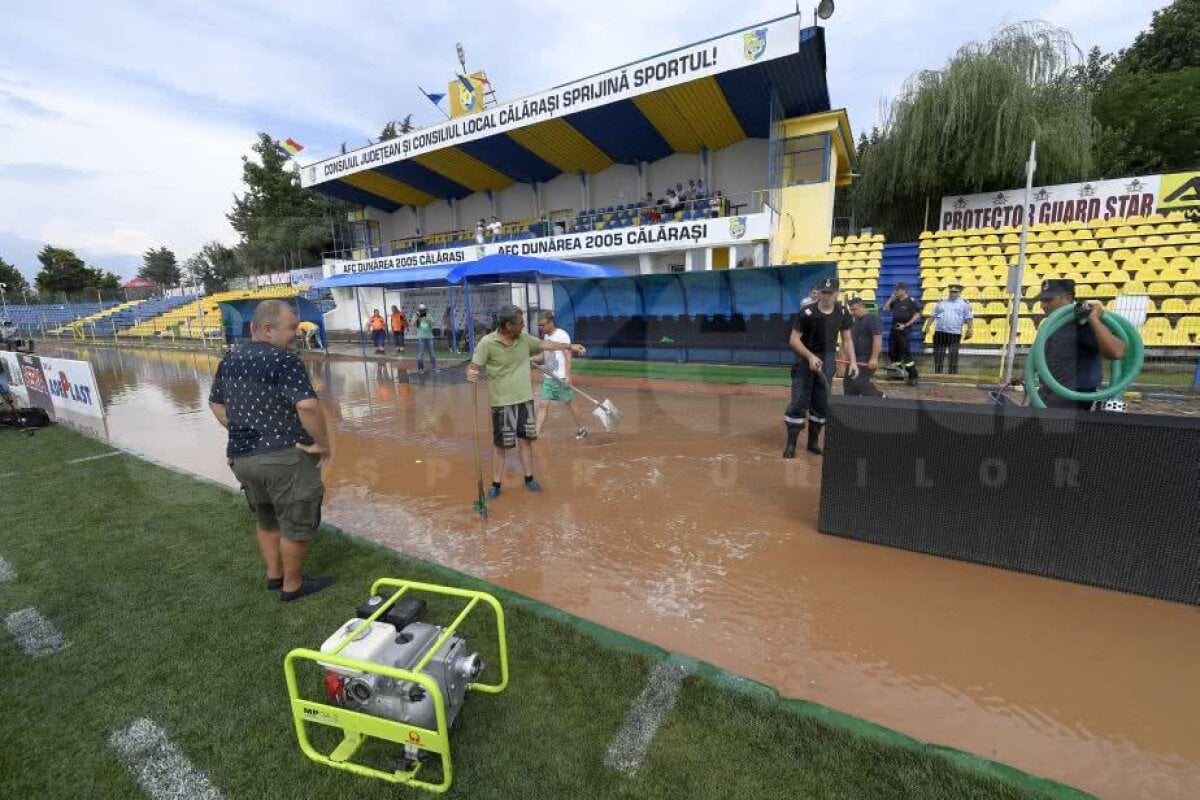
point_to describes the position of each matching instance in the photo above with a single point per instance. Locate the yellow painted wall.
(720, 258)
(804, 226)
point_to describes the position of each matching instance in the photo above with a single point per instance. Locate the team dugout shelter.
(568, 171)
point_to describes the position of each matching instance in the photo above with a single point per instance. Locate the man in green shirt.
(505, 354)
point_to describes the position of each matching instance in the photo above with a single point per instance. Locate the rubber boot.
(814, 433)
(793, 433)
(912, 374)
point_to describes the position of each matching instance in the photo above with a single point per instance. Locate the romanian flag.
(289, 147)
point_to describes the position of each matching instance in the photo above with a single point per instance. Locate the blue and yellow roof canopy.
(708, 95)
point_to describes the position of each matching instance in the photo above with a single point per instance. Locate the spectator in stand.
(399, 326)
(673, 202)
(649, 201)
(680, 192)
(953, 319)
(479, 230)
(495, 228)
(691, 195)
(378, 328)
(700, 192)
(718, 204)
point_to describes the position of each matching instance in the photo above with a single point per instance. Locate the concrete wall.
(615, 186)
(437, 217)
(562, 192)
(516, 202)
(666, 172)
(739, 168)
(471, 208)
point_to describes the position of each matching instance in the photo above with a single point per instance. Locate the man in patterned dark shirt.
(277, 444)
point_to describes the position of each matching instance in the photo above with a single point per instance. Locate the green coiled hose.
(1124, 370)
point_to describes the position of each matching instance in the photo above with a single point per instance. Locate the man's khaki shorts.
(284, 490)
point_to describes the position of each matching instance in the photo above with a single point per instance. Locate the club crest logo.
(737, 227)
(466, 98)
(755, 43)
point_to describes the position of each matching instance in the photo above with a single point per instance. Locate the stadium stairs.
(901, 264)
(198, 318)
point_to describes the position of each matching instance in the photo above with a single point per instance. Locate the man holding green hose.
(1075, 353)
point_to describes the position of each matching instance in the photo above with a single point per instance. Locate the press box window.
(806, 159)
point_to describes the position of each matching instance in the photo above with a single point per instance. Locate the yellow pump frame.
(356, 726)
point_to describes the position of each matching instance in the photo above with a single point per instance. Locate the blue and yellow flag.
(467, 94)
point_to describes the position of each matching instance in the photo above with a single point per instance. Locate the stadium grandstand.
(720, 155)
(1157, 257)
(199, 317)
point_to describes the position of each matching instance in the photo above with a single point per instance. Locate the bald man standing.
(278, 444)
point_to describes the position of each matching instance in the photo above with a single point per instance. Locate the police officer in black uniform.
(905, 314)
(814, 338)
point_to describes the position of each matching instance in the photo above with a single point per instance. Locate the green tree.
(159, 266)
(281, 225)
(967, 127)
(1148, 104)
(14, 282)
(1171, 44)
(213, 266)
(64, 272)
(396, 128)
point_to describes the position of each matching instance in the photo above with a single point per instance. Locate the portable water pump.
(400, 638)
(390, 675)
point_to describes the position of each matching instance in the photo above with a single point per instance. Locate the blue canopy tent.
(499, 268)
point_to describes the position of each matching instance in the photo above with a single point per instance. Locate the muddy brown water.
(687, 529)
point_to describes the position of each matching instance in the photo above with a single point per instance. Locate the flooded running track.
(688, 530)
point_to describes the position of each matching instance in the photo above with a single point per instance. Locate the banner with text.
(36, 390)
(1074, 202)
(618, 241)
(765, 42)
(72, 386)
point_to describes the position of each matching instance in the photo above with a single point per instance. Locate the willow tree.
(966, 127)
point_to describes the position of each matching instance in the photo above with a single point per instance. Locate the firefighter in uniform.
(814, 338)
(905, 314)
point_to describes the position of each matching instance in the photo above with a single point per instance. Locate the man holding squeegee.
(505, 353)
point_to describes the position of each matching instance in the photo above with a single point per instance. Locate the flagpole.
(435, 105)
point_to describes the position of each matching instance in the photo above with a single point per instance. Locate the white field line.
(163, 772)
(7, 571)
(631, 743)
(93, 458)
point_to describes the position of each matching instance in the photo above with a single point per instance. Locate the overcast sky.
(122, 123)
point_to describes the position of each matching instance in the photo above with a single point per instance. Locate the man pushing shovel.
(505, 353)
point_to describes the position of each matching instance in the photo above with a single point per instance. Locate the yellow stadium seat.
(1176, 339)
(1106, 290)
(1174, 305)
(1117, 275)
(1158, 289)
(1187, 288)
(1123, 230)
(1171, 274)
(1093, 277)
(1157, 324)
(1122, 255)
(925, 235)
(1144, 230)
(1152, 338)
(1168, 251)
(1194, 305)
